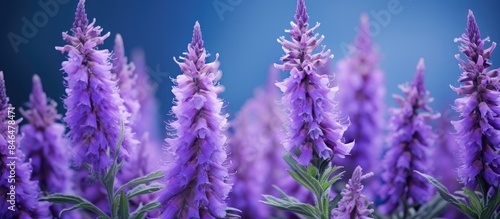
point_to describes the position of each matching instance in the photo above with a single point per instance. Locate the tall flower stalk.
(477, 131)
(197, 180)
(255, 145)
(19, 193)
(361, 97)
(142, 159)
(409, 148)
(99, 129)
(353, 203)
(479, 109)
(314, 131)
(45, 145)
(146, 89)
(94, 107)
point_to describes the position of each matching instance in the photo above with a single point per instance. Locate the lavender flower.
(478, 130)
(46, 147)
(255, 146)
(361, 97)
(409, 143)
(17, 186)
(94, 107)
(148, 112)
(126, 80)
(353, 204)
(197, 180)
(142, 159)
(314, 129)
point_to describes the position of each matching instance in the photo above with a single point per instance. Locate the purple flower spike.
(126, 80)
(477, 130)
(17, 187)
(94, 107)
(361, 97)
(314, 129)
(44, 143)
(255, 145)
(148, 112)
(409, 144)
(354, 204)
(197, 179)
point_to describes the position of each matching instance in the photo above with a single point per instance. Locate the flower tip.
(421, 64)
(364, 20)
(1, 75)
(301, 16)
(197, 40)
(118, 39)
(472, 27)
(37, 83)
(81, 20)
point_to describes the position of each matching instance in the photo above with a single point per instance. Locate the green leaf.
(310, 182)
(447, 196)
(334, 179)
(78, 202)
(299, 208)
(285, 196)
(430, 209)
(230, 214)
(142, 180)
(115, 205)
(89, 206)
(142, 210)
(144, 189)
(312, 171)
(474, 200)
(123, 207)
(490, 207)
(329, 171)
(302, 181)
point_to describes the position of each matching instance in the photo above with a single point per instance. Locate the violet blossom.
(94, 107)
(478, 129)
(196, 181)
(16, 185)
(142, 159)
(361, 97)
(315, 129)
(146, 89)
(409, 147)
(44, 144)
(354, 205)
(255, 146)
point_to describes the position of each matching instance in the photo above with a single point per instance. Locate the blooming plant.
(314, 130)
(477, 130)
(94, 131)
(197, 180)
(276, 159)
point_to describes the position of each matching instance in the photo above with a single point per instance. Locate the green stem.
(111, 195)
(322, 201)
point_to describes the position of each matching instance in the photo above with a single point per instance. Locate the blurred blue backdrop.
(244, 33)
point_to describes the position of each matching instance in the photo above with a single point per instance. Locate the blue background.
(244, 34)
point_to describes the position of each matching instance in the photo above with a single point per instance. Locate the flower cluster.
(94, 107)
(25, 192)
(361, 97)
(478, 130)
(354, 204)
(314, 129)
(197, 179)
(409, 146)
(44, 143)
